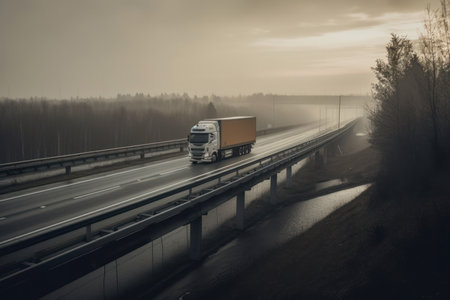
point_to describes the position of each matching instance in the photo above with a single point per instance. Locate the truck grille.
(197, 152)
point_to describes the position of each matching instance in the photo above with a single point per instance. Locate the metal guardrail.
(70, 160)
(261, 168)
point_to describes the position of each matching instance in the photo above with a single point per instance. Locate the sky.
(91, 48)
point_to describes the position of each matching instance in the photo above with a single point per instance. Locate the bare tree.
(410, 122)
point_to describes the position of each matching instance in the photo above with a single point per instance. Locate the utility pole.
(273, 111)
(339, 113)
(320, 116)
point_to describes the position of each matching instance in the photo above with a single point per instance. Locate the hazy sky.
(67, 48)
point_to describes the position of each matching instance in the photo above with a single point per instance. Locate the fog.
(38, 127)
(62, 49)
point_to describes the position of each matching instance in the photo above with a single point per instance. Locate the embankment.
(372, 248)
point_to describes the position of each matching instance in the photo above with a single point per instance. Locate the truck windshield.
(198, 138)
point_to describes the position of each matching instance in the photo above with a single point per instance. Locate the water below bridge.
(258, 240)
(144, 266)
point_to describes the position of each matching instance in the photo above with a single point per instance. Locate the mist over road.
(45, 207)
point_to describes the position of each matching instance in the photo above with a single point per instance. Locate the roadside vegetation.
(392, 249)
(393, 241)
(411, 118)
(40, 127)
(34, 128)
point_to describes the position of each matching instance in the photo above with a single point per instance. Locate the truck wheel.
(214, 157)
(194, 162)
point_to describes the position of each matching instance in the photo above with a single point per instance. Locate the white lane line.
(43, 206)
(97, 192)
(84, 181)
(89, 180)
(134, 198)
(147, 178)
(287, 134)
(137, 197)
(173, 171)
(2, 218)
(101, 177)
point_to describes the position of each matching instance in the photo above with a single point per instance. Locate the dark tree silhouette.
(37, 127)
(211, 111)
(410, 122)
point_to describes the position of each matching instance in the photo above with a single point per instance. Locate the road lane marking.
(148, 178)
(173, 171)
(279, 145)
(137, 197)
(132, 170)
(84, 181)
(89, 180)
(161, 174)
(97, 192)
(110, 175)
(124, 172)
(2, 218)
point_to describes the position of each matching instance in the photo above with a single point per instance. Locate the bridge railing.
(190, 205)
(70, 160)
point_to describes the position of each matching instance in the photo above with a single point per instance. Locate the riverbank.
(371, 248)
(262, 217)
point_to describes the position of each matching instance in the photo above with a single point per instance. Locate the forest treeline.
(35, 128)
(39, 127)
(411, 120)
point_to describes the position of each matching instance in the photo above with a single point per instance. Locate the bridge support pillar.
(88, 233)
(240, 210)
(324, 155)
(289, 175)
(273, 189)
(68, 170)
(321, 157)
(195, 249)
(317, 161)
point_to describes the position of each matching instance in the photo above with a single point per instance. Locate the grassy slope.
(372, 248)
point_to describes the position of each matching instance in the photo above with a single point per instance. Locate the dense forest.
(411, 121)
(36, 128)
(39, 127)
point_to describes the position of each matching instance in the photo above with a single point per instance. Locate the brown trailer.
(236, 131)
(215, 139)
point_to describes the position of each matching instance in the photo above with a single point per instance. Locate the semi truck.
(214, 139)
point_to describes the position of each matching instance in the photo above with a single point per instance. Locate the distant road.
(32, 209)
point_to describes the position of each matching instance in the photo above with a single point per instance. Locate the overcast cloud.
(63, 48)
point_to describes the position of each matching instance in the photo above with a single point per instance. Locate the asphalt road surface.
(25, 212)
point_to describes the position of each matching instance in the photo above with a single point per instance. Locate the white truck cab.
(215, 139)
(204, 142)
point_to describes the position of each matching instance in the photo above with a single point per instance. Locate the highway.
(32, 210)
